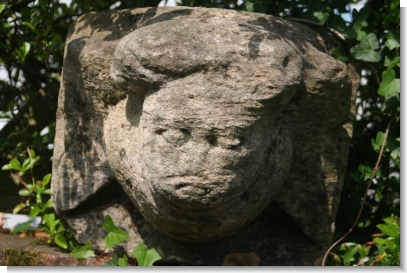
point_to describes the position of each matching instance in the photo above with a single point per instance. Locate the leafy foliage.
(36, 199)
(144, 256)
(115, 235)
(82, 252)
(380, 251)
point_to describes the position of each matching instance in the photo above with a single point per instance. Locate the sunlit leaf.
(32, 153)
(7, 167)
(60, 240)
(34, 211)
(390, 85)
(377, 143)
(321, 17)
(390, 63)
(25, 49)
(28, 24)
(48, 205)
(83, 252)
(146, 257)
(249, 6)
(46, 180)
(356, 32)
(15, 164)
(24, 192)
(26, 163)
(365, 51)
(115, 235)
(349, 255)
(393, 40)
(388, 230)
(123, 261)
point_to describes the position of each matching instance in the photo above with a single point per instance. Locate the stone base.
(272, 236)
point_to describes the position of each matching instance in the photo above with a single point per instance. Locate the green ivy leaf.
(249, 6)
(395, 154)
(390, 85)
(140, 253)
(2, 7)
(393, 40)
(115, 235)
(377, 143)
(361, 14)
(83, 252)
(60, 240)
(321, 17)
(366, 171)
(365, 51)
(390, 104)
(355, 32)
(123, 261)
(390, 63)
(146, 257)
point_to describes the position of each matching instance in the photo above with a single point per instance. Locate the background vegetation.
(32, 36)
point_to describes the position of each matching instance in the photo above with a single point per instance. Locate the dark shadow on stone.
(134, 108)
(123, 22)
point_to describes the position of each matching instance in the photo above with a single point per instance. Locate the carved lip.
(197, 190)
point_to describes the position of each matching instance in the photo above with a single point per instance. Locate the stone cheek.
(189, 125)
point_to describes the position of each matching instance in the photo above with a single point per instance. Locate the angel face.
(193, 156)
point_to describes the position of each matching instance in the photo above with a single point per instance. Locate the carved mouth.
(195, 191)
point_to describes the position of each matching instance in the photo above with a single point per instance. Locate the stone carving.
(203, 129)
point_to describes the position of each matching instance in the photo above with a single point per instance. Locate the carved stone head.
(204, 117)
(200, 145)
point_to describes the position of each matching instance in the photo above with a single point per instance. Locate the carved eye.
(212, 139)
(230, 143)
(175, 136)
(160, 131)
(186, 132)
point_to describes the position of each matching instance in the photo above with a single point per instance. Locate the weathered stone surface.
(203, 132)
